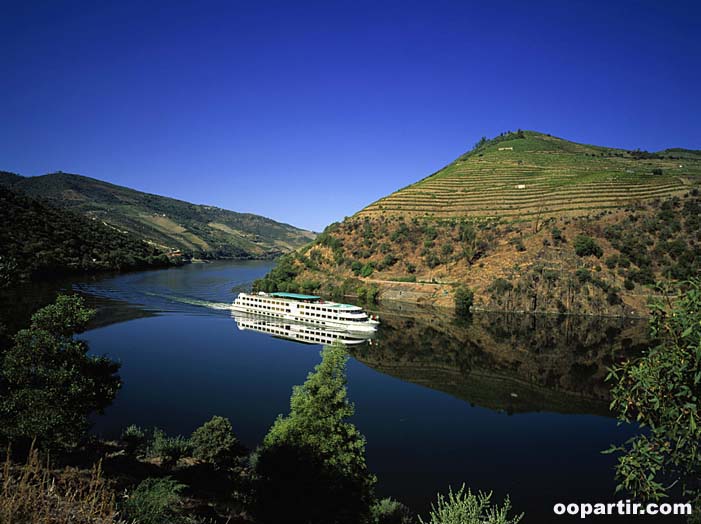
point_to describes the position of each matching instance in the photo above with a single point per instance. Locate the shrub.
(135, 440)
(464, 507)
(463, 301)
(155, 501)
(390, 511)
(215, 442)
(629, 284)
(557, 235)
(367, 270)
(169, 449)
(585, 246)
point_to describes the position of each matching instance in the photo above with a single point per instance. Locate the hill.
(37, 239)
(170, 224)
(524, 174)
(527, 221)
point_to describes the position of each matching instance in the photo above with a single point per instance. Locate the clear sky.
(306, 112)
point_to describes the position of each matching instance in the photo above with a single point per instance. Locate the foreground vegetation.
(661, 391)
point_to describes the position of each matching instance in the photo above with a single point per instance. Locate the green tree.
(311, 467)
(215, 442)
(464, 507)
(50, 384)
(660, 391)
(463, 301)
(585, 246)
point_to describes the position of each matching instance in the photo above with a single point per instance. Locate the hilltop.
(166, 223)
(526, 174)
(528, 222)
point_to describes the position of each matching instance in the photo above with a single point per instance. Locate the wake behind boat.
(310, 309)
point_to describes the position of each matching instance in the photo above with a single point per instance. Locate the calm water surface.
(511, 404)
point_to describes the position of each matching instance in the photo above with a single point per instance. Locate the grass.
(32, 492)
(560, 177)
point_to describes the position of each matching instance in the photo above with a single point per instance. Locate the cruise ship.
(309, 309)
(299, 332)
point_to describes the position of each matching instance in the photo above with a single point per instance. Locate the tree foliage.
(215, 442)
(38, 239)
(50, 385)
(463, 301)
(311, 467)
(585, 246)
(661, 391)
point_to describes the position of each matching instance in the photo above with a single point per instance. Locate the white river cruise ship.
(306, 308)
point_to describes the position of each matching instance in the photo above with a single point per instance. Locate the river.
(512, 404)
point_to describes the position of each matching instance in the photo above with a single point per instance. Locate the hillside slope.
(37, 239)
(593, 230)
(167, 223)
(526, 174)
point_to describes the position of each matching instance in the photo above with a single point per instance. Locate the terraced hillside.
(527, 222)
(527, 173)
(167, 223)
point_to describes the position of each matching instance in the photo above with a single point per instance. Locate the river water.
(513, 404)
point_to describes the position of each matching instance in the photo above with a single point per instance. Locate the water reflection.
(512, 363)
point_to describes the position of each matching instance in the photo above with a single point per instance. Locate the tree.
(464, 507)
(660, 391)
(51, 385)
(215, 442)
(585, 246)
(463, 301)
(311, 467)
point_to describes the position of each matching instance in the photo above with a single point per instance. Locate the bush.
(155, 501)
(169, 449)
(367, 270)
(135, 440)
(585, 246)
(390, 511)
(215, 442)
(463, 301)
(463, 507)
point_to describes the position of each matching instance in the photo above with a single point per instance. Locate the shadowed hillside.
(167, 223)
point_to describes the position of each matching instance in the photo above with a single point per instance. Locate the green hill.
(37, 239)
(529, 222)
(527, 173)
(170, 224)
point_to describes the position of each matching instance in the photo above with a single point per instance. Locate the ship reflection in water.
(298, 331)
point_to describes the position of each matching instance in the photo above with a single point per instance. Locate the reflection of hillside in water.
(515, 363)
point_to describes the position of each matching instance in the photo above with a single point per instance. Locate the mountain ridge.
(173, 225)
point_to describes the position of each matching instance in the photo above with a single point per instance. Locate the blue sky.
(306, 112)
